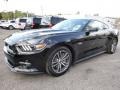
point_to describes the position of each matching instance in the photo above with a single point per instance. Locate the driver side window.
(95, 25)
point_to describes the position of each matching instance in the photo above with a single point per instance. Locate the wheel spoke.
(55, 60)
(63, 63)
(65, 57)
(54, 65)
(58, 55)
(58, 67)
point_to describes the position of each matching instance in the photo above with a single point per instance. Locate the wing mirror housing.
(93, 29)
(89, 30)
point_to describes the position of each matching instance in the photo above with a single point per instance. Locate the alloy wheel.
(61, 61)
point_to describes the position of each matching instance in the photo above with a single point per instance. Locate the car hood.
(33, 35)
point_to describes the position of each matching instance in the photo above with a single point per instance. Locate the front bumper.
(27, 64)
(22, 69)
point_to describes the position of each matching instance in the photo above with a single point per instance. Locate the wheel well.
(10, 26)
(69, 47)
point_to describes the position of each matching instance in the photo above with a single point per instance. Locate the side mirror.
(92, 29)
(89, 30)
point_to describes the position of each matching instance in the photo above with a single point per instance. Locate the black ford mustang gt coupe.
(54, 50)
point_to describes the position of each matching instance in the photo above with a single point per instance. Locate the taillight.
(50, 25)
(33, 24)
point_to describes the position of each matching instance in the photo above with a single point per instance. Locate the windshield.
(72, 25)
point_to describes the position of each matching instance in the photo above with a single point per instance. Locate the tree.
(12, 15)
(0, 16)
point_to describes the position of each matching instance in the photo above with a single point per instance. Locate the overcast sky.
(103, 7)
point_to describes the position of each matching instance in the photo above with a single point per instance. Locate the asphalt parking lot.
(99, 73)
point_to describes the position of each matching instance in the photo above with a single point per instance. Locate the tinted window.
(22, 20)
(55, 20)
(72, 25)
(12, 21)
(95, 24)
(2, 21)
(37, 20)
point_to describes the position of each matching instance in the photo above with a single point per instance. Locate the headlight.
(26, 48)
(40, 46)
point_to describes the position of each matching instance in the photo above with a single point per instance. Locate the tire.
(111, 46)
(58, 61)
(10, 27)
